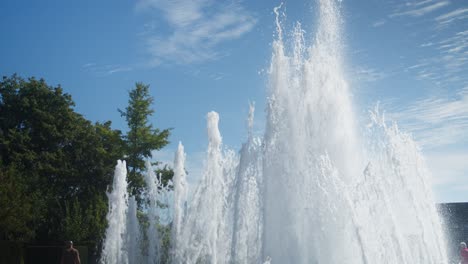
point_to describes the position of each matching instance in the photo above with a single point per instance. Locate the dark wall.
(11, 252)
(43, 254)
(35, 253)
(455, 219)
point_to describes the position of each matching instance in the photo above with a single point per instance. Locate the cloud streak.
(437, 122)
(442, 38)
(379, 23)
(439, 125)
(367, 74)
(105, 69)
(449, 62)
(194, 29)
(418, 9)
(448, 18)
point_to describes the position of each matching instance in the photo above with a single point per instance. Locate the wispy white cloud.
(437, 121)
(440, 124)
(117, 69)
(367, 74)
(379, 23)
(195, 28)
(448, 63)
(455, 45)
(217, 76)
(448, 18)
(443, 41)
(416, 66)
(419, 8)
(427, 44)
(88, 65)
(105, 69)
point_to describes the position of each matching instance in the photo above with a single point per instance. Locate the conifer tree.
(141, 138)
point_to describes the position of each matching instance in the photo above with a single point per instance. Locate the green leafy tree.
(18, 206)
(141, 138)
(59, 163)
(85, 222)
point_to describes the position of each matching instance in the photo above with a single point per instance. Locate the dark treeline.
(56, 166)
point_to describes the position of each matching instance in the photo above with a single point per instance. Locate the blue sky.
(203, 55)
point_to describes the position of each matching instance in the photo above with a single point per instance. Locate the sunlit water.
(116, 232)
(317, 187)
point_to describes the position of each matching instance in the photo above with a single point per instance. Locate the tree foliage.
(141, 138)
(55, 165)
(18, 206)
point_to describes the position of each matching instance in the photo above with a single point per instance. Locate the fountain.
(133, 233)
(180, 199)
(114, 247)
(316, 188)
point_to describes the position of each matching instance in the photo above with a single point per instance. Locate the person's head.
(463, 245)
(68, 244)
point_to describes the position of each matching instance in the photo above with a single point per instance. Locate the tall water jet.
(114, 246)
(205, 237)
(154, 246)
(311, 190)
(247, 219)
(314, 167)
(310, 123)
(180, 199)
(133, 241)
(394, 200)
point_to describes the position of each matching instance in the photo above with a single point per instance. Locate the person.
(463, 253)
(70, 254)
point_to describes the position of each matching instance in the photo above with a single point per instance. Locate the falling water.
(180, 198)
(318, 187)
(133, 233)
(247, 219)
(154, 245)
(114, 248)
(205, 235)
(312, 190)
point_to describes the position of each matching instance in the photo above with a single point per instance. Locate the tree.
(55, 165)
(18, 207)
(141, 138)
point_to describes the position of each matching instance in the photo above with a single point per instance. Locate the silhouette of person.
(70, 254)
(463, 253)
